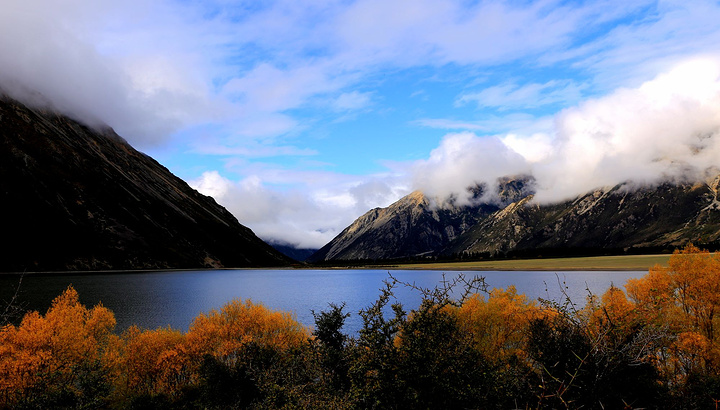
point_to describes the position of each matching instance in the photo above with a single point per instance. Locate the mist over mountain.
(298, 254)
(79, 198)
(416, 225)
(635, 169)
(618, 219)
(664, 130)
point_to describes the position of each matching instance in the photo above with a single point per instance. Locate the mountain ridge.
(79, 198)
(626, 217)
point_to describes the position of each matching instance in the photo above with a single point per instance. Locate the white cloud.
(269, 89)
(511, 96)
(352, 101)
(462, 161)
(668, 128)
(48, 47)
(534, 148)
(492, 124)
(306, 217)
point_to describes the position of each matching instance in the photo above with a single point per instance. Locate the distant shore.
(622, 262)
(599, 263)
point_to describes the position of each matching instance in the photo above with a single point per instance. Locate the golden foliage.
(613, 314)
(150, 361)
(49, 349)
(684, 295)
(684, 298)
(224, 333)
(498, 324)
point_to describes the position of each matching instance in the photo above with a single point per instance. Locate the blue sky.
(299, 116)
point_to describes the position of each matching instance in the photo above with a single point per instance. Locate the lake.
(155, 299)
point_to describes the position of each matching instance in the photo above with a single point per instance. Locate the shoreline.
(590, 263)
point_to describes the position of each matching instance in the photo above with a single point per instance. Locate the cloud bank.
(305, 218)
(64, 54)
(667, 129)
(246, 94)
(150, 68)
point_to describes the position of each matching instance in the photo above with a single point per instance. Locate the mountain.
(75, 198)
(614, 219)
(412, 226)
(299, 255)
(619, 217)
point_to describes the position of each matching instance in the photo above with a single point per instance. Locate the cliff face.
(669, 215)
(73, 198)
(411, 226)
(416, 226)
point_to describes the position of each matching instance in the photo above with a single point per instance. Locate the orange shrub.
(498, 324)
(224, 333)
(150, 362)
(685, 295)
(48, 350)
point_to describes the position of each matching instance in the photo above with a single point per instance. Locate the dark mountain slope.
(290, 251)
(617, 218)
(73, 198)
(669, 215)
(413, 226)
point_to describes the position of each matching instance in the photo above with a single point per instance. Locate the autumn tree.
(427, 358)
(239, 355)
(148, 363)
(225, 332)
(265, 351)
(499, 324)
(56, 359)
(684, 298)
(687, 291)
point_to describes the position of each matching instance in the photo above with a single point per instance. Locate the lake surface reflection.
(155, 299)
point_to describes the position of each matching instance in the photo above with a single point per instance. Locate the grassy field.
(625, 262)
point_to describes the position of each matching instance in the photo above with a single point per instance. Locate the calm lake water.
(155, 299)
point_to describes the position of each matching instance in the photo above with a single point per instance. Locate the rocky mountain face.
(73, 198)
(613, 218)
(414, 225)
(669, 215)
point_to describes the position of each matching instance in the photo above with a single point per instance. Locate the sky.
(300, 116)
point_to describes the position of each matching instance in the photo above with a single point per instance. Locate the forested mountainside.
(620, 218)
(74, 198)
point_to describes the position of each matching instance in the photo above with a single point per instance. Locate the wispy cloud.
(150, 68)
(510, 96)
(352, 101)
(255, 152)
(493, 124)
